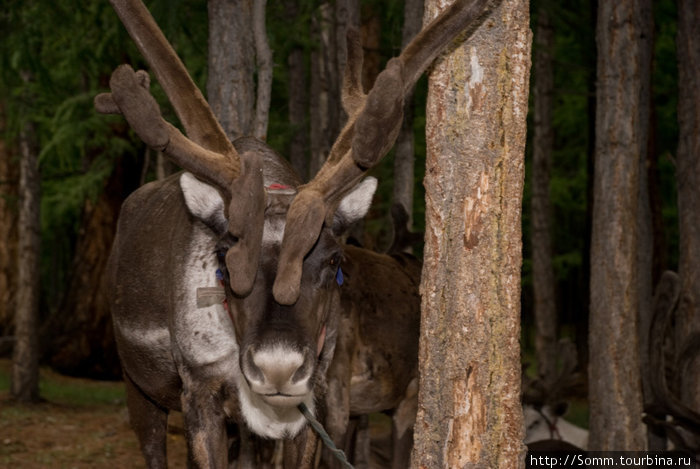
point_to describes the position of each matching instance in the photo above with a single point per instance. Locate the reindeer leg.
(150, 423)
(337, 396)
(402, 427)
(205, 426)
(361, 438)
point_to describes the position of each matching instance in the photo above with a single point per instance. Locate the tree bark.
(263, 59)
(231, 81)
(25, 359)
(298, 102)
(543, 145)
(8, 233)
(645, 233)
(322, 74)
(688, 168)
(404, 157)
(621, 123)
(469, 411)
(329, 27)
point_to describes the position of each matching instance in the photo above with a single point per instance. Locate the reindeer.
(665, 413)
(375, 367)
(544, 405)
(240, 217)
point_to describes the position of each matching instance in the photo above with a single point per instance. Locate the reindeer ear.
(204, 202)
(354, 206)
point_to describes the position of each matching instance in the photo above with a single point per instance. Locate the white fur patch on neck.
(355, 205)
(202, 200)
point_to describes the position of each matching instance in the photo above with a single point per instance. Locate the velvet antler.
(207, 153)
(373, 125)
(131, 98)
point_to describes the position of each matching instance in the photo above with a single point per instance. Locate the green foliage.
(54, 58)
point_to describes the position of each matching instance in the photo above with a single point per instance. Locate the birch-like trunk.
(469, 411)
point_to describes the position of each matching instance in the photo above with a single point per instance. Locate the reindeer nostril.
(278, 370)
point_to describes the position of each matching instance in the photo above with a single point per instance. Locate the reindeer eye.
(335, 260)
(221, 254)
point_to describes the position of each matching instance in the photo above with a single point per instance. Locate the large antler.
(207, 153)
(373, 125)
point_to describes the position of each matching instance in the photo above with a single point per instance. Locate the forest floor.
(79, 424)
(83, 424)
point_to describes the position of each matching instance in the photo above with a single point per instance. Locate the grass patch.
(59, 389)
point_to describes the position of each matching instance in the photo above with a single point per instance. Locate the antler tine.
(192, 109)
(462, 17)
(353, 96)
(367, 137)
(131, 98)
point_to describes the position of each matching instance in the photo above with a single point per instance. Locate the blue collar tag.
(339, 276)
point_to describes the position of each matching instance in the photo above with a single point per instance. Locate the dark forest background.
(56, 56)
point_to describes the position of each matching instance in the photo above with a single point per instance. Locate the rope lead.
(316, 425)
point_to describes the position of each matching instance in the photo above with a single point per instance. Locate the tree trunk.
(329, 27)
(8, 233)
(25, 359)
(263, 60)
(231, 81)
(298, 101)
(469, 411)
(543, 144)
(688, 159)
(404, 158)
(621, 137)
(321, 91)
(645, 233)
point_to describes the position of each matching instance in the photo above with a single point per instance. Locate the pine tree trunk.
(404, 158)
(543, 145)
(469, 411)
(263, 61)
(329, 28)
(321, 90)
(621, 137)
(25, 359)
(688, 159)
(8, 233)
(231, 81)
(298, 101)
